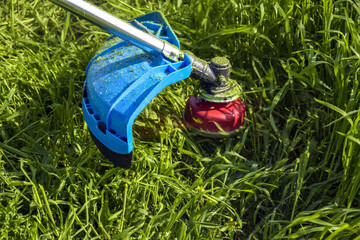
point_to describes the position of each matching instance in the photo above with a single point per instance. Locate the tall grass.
(292, 173)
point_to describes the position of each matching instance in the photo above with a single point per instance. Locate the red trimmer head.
(215, 119)
(217, 111)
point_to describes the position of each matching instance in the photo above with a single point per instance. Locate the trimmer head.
(217, 111)
(214, 119)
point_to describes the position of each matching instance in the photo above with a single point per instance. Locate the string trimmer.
(140, 59)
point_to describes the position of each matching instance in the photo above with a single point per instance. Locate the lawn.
(292, 173)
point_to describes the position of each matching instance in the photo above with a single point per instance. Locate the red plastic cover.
(215, 117)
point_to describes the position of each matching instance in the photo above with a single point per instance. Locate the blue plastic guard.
(122, 79)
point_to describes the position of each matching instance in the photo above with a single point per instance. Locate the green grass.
(293, 173)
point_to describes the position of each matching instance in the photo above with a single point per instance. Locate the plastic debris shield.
(122, 79)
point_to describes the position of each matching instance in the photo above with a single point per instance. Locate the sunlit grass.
(292, 173)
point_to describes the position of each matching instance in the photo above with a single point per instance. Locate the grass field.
(293, 173)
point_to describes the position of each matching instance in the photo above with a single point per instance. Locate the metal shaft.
(120, 28)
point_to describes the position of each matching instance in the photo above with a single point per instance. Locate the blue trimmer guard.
(121, 80)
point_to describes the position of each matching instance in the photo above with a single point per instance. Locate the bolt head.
(220, 62)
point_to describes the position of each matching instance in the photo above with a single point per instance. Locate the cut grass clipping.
(294, 171)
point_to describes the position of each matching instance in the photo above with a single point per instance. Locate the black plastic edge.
(119, 160)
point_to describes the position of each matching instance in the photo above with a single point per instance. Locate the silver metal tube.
(119, 28)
